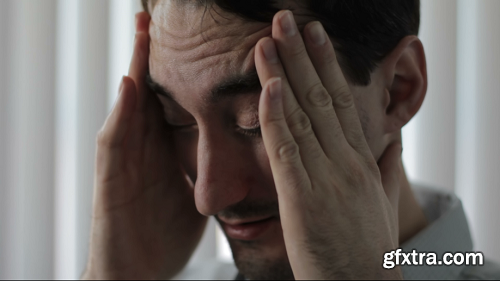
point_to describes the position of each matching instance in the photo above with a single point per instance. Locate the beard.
(253, 266)
(258, 260)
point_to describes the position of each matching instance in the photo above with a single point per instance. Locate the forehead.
(192, 48)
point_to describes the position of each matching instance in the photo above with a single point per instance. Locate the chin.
(262, 259)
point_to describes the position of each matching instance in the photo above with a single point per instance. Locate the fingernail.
(317, 34)
(275, 90)
(269, 49)
(287, 23)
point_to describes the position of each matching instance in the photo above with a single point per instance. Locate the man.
(245, 111)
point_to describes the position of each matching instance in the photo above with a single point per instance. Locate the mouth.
(247, 230)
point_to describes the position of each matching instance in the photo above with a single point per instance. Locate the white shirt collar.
(448, 231)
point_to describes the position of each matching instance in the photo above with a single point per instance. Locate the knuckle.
(355, 174)
(358, 142)
(287, 151)
(297, 52)
(299, 122)
(301, 129)
(343, 99)
(313, 151)
(101, 139)
(330, 58)
(319, 96)
(272, 120)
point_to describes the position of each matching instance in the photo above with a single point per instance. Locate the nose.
(225, 172)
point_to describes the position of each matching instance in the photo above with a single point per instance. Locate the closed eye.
(183, 127)
(252, 132)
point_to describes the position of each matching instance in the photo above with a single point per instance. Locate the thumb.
(390, 171)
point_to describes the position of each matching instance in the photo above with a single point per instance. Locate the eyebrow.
(248, 83)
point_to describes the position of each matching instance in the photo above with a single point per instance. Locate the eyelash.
(253, 133)
(182, 127)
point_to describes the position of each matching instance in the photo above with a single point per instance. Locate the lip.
(243, 221)
(247, 230)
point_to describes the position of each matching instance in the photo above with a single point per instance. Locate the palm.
(147, 202)
(145, 221)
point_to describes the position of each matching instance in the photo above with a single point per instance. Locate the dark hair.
(365, 31)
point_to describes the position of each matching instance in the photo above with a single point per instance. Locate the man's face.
(207, 68)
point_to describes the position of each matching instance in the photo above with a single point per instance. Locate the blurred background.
(60, 65)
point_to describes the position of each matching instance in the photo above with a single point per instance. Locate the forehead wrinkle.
(190, 61)
(227, 40)
(181, 26)
(165, 36)
(188, 22)
(231, 53)
(198, 53)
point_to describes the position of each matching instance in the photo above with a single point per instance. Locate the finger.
(307, 85)
(139, 68)
(324, 59)
(134, 141)
(293, 183)
(268, 67)
(142, 20)
(390, 171)
(112, 137)
(288, 171)
(299, 123)
(116, 125)
(147, 103)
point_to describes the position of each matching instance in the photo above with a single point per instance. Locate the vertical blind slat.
(30, 158)
(487, 187)
(430, 136)
(66, 138)
(91, 108)
(465, 165)
(4, 19)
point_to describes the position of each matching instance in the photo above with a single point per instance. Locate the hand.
(338, 207)
(145, 223)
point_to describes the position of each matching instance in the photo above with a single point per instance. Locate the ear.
(405, 78)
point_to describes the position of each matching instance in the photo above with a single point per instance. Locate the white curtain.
(453, 143)
(60, 64)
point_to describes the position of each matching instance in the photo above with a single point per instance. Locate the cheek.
(371, 116)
